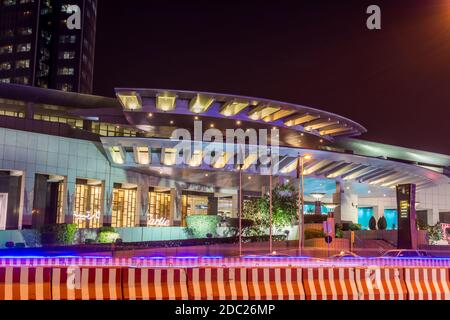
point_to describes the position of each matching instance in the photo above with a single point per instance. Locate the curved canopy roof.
(274, 113)
(157, 155)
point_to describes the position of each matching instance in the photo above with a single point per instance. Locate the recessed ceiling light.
(196, 118)
(171, 122)
(238, 122)
(150, 114)
(212, 125)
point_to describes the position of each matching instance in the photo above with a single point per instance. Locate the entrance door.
(3, 210)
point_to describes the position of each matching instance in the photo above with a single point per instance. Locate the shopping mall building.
(97, 161)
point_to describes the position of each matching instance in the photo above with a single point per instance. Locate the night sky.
(395, 81)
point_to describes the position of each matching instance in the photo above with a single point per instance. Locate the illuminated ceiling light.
(169, 156)
(150, 114)
(320, 123)
(262, 111)
(249, 178)
(280, 114)
(335, 130)
(290, 167)
(369, 192)
(211, 125)
(196, 159)
(142, 155)
(117, 155)
(342, 171)
(310, 169)
(196, 118)
(171, 122)
(130, 101)
(307, 157)
(250, 160)
(238, 122)
(359, 172)
(200, 103)
(232, 108)
(166, 101)
(331, 206)
(321, 140)
(300, 119)
(221, 161)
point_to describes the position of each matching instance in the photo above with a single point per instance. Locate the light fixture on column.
(317, 196)
(331, 207)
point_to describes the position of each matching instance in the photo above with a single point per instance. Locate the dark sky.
(395, 81)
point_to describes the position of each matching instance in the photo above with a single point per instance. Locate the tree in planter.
(382, 223)
(284, 210)
(435, 234)
(373, 223)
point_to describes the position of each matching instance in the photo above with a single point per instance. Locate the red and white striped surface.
(381, 284)
(196, 262)
(275, 284)
(154, 284)
(24, 283)
(217, 284)
(84, 283)
(330, 284)
(427, 283)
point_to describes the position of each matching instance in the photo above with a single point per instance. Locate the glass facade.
(88, 205)
(391, 219)
(364, 215)
(124, 208)
(159, 205)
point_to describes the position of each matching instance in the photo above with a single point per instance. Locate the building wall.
(434, 200)
(75, 159)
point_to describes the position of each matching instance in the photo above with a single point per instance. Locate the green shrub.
(58, 234)
(354, 227)
(373, 223)
(202, 225)
(382, 223)
(107, 229)
(107, 237)
(435, 234)
(314, 234)
(339, 231)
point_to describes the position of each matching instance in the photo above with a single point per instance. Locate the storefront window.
(60, 204)
(391, 218)
(88, 205)
(364, 215)
(193, 205)
(159, 207)
(124, 208)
